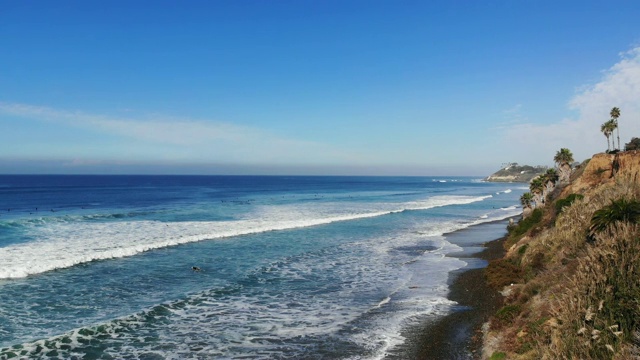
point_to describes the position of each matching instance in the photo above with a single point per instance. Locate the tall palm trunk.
(615, 114)
(537, 197)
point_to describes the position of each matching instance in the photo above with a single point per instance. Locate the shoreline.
(458, 335)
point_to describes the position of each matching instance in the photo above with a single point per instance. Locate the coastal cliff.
(513, 172)
(570, 275)
(605, 169)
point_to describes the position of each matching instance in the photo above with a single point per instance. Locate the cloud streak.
(619, 86)
(189, 140)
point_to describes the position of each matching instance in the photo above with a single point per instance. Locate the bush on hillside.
(522, 227)
(634, 144)
(564, 202)
(621, 210)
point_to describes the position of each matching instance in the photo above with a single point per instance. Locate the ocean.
(230, 267)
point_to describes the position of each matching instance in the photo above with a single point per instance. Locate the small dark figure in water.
(195, 268)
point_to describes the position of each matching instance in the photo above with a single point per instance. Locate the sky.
(311, 87)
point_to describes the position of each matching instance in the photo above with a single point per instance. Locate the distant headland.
(512, 172)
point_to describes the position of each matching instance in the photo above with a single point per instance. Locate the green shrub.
(508, 312)
(498, 355)
(562, 203)
(525, 225)
(634, 144)
(621, 210)
(522, 249)
(522, 227)
(505, 316)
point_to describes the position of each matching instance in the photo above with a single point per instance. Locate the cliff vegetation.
(571, 275)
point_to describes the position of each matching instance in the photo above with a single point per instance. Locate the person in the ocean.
(195, 268)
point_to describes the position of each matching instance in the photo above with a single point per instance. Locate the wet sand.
(458, 335)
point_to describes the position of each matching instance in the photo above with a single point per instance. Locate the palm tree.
(563, 159)
(525, 200)
(612, 125)
(550, 178)
(605, 129)
(538, 190)
(615, 114)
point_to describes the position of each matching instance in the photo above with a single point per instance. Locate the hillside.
(516, 173)
(570, 276)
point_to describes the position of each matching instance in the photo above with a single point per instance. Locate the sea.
(231, 267)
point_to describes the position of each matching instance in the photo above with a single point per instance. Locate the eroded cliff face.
(627, 165)
(604, 169)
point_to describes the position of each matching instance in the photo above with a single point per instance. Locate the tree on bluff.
(634, 144)
(607, 129)
(615, 114)
(563, 160)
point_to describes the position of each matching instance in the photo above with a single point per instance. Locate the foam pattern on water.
(301, 306)
(64, 244)
(303, 268)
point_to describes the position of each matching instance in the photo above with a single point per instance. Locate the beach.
(458, 334)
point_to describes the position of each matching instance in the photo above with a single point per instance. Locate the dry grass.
(599, 309)
(568, 238)
(579, 299)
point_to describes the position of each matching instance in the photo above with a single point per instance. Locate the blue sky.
(311, 87)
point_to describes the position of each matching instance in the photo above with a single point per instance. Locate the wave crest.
(66, 244)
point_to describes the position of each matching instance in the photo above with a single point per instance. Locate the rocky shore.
(459, 335)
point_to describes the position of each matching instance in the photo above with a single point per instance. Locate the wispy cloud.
(619, 86)
(190, 140)
(512, 116)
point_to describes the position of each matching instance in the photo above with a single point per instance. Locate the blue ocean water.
(101, 267)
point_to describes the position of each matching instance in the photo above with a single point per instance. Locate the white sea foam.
(63, 244)
(384, 301)
(446, 227)
(509, 208)
(208, 324)
(236, 321)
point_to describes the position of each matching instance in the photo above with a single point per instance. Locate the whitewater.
(291, 267)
